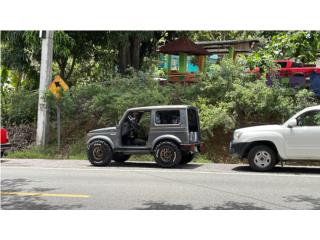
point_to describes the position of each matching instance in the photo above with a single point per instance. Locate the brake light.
(193, 137)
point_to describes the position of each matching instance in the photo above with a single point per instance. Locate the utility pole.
(45, 79)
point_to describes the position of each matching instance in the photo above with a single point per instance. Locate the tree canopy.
(96, 55)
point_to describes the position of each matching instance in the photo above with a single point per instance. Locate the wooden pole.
(45, 79)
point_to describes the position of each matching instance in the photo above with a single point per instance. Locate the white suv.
(265, 146)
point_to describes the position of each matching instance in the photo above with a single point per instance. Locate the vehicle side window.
(296, 65)
(192, 120)
(282, 64)
(168, 117)
(311, 118)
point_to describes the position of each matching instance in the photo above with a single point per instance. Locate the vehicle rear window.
(193, 120)
(168, 117)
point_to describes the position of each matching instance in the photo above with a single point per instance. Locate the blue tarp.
(297, 81)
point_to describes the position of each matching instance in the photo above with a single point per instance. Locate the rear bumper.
(194, 148)
(238, 149)
(5, 146)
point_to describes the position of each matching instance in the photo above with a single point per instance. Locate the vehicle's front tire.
(186, 157)
(99, 153)
(120, 157)
(167, 154)
(262, 158)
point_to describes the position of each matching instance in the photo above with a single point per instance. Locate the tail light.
(193, 136)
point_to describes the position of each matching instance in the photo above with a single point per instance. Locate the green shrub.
(19, 107)
(226, 97)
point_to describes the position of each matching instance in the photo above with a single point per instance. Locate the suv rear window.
(193, 120)
(168, 117)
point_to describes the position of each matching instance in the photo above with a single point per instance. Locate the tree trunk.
(71, 68)
(62, 67)
(143, 51)
(135, 52)
(124, 57)
(128, 56)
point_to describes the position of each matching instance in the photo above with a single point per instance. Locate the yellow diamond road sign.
(56, 85)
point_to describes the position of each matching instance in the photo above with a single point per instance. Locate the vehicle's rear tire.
(167, 154)
(120, 157)
(186, 157)
(262, 158)
(99, 153)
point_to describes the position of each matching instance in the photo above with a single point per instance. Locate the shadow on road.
(153, 205)
(150, 165)
(230, 205)
(12, 202)
(314, 202)
(294, 170)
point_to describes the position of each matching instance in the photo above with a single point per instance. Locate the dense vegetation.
(101, 88)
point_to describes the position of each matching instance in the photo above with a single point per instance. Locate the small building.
(229, 47)
(184, 60)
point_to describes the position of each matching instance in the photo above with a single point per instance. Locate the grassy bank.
(73, 151)
(79, 151)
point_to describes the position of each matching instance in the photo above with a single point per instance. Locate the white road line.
(166, 171)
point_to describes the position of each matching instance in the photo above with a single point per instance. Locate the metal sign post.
(58, 125)
(55, 87)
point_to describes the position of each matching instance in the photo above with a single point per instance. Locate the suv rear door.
(193, 125)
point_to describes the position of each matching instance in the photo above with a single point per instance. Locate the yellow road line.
(36, 194)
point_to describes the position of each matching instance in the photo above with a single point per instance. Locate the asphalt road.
(75, 184)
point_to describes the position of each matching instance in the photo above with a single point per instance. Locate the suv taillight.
(194, 137)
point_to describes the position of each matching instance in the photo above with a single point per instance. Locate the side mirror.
(292, 123)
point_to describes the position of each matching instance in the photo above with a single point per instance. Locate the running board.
(135, 150)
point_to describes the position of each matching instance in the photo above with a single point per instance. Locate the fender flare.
(101, 137)
(165, 137)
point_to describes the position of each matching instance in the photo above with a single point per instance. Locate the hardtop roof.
(316, 107)
(164, 107)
